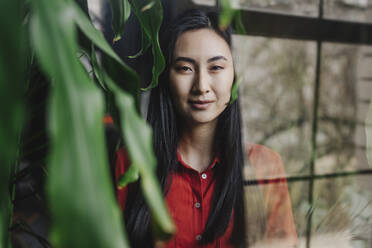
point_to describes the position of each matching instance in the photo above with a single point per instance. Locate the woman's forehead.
(201, 43)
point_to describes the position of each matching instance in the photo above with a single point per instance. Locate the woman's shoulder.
(261, 152)
(266, 162)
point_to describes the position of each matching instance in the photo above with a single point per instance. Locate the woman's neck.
(196, 145)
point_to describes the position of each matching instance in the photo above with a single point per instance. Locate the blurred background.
(306, 90)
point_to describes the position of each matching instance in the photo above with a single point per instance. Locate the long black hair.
(228, 194)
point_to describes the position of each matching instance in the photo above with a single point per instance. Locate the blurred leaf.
(84, 42)
(130, 176)
(123, 75)
(82, 203)
(148, 6)
(95, 66)
(226, 15)
(12, 71)
(150, 16)
(235, 90)
(125, 79)
(83, 5)
(86, 26)
(120, 14)
(138, 139)
(238, 24)
(369, 134)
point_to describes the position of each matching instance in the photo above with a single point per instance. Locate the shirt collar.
(211, 166)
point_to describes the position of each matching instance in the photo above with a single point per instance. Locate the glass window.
(342, 211)
(205, 2)
(345, 94)
(348, 10)
(276, 96)
(302, 7)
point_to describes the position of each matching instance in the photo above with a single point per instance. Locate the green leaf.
(83, 4)
(238, 23)
(227, 14)
(235, 90)
(123, 78)
(82, 203)
(97, 72)
(83, 40)
(148, 6)
(138, 139)
(150, 16)
(123, 75)
(12, 71)
(92, 33)
(120, 14)
(130, 176)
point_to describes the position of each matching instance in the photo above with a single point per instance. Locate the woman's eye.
(183, 69)
(216, 68)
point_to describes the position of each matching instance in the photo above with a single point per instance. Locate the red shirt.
(190, 196)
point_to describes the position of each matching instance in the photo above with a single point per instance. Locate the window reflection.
(277, 96)
(349, 10)
(344, 99)
(303, 7)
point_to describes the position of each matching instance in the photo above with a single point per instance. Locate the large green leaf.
(120, 14)
(83, 5)
(122, 75)
(150, 16)
(138, 139)
(12, 70)
(82, 203)
(86, 26)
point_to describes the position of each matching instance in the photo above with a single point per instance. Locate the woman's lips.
(200, 105)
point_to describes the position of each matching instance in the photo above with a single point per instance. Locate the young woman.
(197, 142)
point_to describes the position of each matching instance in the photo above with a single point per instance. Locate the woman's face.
(201, 76)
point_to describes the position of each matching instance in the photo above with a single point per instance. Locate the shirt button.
(197, 205)
(204, 176)
(198, 237)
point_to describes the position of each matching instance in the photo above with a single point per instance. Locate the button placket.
(197, 203)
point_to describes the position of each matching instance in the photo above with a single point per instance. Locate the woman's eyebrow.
(216, 58)
(190, 60)
(185, 59)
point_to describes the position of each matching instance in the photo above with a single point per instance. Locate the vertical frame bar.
(314, 130)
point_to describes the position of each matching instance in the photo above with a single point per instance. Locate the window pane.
(276, 97)
(302, 7)
(349, 10)
(299, 193)
(205, 2)
(346, 90)
(342, 212)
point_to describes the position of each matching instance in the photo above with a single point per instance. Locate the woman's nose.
(201, 82)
